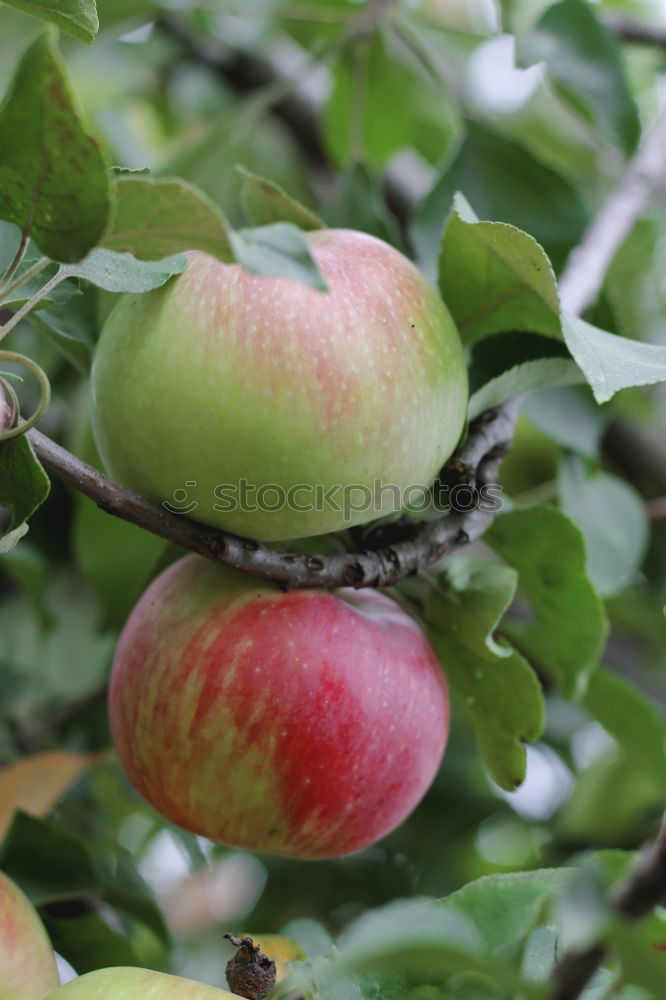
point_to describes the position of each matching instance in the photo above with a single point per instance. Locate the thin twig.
(644, 889)
(585, 271)
(627, 30)
(488, 441)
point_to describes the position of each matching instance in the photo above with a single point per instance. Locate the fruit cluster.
(307, 724)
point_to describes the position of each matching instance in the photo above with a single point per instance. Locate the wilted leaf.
(35, 783)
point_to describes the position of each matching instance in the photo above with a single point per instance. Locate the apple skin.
(221, 375)
(28, 969)
(307, 724)
(136, 984)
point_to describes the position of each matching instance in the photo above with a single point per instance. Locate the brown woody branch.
(476, 464)
(628, 30)
(644, 889)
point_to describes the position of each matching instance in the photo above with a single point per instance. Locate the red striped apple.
(307, 724)
(27, 964)
(252, 403)
(136, 984)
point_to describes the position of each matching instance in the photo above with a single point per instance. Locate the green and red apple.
(222, 377)
(307, 724)
(27, 964)
(136, 984)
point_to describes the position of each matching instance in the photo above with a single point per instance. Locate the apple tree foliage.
(481, 137)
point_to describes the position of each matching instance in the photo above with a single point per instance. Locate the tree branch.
(644, 889)
(489, 439)
(627, 30)
(585, 271)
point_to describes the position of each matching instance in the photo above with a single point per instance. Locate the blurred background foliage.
(532, 111)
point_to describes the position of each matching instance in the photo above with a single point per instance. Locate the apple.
(307, 724)
(28, 969)
(222, 382)
(136, 984)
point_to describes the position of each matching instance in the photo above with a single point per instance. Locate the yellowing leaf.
(36, 783)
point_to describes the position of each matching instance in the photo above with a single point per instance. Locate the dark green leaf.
(497, 687)
(156, 218)
(47, 862)
(87, 942)
(359, 204)
(53, 181)
(72, 326)
(265, 202)
(584, 59)
(494, 277)
(503, 183)
(77, 17)
(357, 122)
(609, 362)
(24, 485)
(28, 567)
(277, 251)
(567, 636)
(613, 519)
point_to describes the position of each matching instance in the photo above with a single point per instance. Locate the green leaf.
(505, 908)
(27, 566)
(77, 17)
(156, 218)
(503, 183)
(24, 485)
(277, 251)
(87, 942)
(121, 272)
(49, 864)
(10, 237)
(609, 362)
(582, 908)
(497, 687)
(357, 122)
(570, 416)
(423, 940)
(642, 964)
(359, 204)
(584, 60)
(493, 277)
(72, 326)
(116, 556)
(53, 181)
(60, 293)
(265, 202)
(613, 519)
(522, 378)
(567, 636)
(637, 725)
